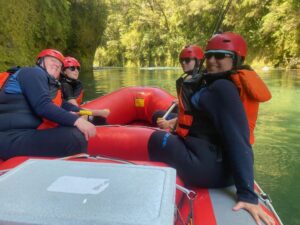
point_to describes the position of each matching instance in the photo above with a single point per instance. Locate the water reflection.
(277, 146)
(106, 81)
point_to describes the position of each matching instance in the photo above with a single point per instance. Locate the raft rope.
(222, 14)
(264, 197)
(4, 171)
(191, 195)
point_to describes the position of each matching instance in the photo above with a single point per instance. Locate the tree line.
(144, 32)
(152, 32)
(75, 27)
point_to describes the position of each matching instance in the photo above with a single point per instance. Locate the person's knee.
(79, 143)
(159, 146)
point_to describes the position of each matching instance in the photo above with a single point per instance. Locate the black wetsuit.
(217, 153)
(27, 98)
(71, 88)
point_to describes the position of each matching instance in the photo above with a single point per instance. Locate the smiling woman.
(72, 91)
(72, 88)
(215, 149)
(217, 61)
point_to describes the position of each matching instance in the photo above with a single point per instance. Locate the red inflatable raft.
(125, 142)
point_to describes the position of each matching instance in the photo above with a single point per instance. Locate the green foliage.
(152, 32)
(52, 24)
(88, 21)
(28, 26)
(15, 29)
(280, 31)
(144, 32)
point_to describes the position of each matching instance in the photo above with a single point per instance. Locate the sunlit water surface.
(277, 146)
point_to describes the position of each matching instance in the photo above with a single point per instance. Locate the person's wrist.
(77, 121)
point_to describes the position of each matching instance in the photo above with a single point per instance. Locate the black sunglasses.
(73, 68)
(218, 55)
(185, 60)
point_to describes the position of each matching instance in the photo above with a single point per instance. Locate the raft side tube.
(132, 104)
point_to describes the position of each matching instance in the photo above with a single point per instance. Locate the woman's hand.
(162, 123)
(87, 128)
(165, 124)
(256, 212)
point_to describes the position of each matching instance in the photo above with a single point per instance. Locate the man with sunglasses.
(33, 116)
(215, 149)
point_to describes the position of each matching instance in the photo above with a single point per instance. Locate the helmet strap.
(237, 61)
(40, 61)
(196, 67)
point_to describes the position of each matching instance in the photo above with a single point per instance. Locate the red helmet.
(191, 51)
(51, 52)
(70, 61)
(228, 41)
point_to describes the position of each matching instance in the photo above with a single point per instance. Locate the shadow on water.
(277, 146)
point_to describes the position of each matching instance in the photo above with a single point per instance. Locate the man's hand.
(166, 124)
(87, 128)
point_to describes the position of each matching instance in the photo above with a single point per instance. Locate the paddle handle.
(169, 110)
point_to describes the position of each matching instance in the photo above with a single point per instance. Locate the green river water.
(277, 146)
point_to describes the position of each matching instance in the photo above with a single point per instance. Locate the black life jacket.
(186, 87)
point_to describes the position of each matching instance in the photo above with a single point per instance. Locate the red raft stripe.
(204, 208)
(203, 212)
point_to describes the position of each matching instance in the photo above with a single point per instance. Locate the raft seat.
(15, 161)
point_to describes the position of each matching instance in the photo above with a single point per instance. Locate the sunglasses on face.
(185, 60)
(218, 55)
(73, 68)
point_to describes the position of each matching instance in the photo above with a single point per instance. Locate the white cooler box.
(86, 193)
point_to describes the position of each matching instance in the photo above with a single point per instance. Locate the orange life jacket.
(79, 98)
(186, 87)
(5, 75)
(185, 119)
(252, 91)
(47, 124)
(3, 78)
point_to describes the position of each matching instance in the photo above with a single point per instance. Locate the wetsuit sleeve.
(69, 106)
(224, 106)
(35, 87)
